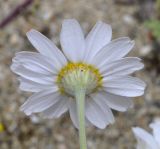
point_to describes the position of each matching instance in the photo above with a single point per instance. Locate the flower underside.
(75, 76)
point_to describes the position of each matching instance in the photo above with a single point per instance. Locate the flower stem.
(80, 100)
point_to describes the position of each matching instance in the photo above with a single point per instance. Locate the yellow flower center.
(79, 75)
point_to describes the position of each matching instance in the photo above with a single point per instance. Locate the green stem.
(80, 100)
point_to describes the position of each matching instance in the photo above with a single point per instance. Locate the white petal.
(31, 86)
(56, 110)
(145, 140)
(104, 106)
(124, 86)
(40, 101)
(96, 115)
(74, 115)
(47, 79)
(72, 40)
(120, 67)
(156, 131)
(113, 51)
(98, 37)
(115, 102)
(46, 47)
(36, 61)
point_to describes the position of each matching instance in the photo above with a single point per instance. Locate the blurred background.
(138, 19)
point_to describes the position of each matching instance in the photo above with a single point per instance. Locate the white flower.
(145, 139)
(95, 64)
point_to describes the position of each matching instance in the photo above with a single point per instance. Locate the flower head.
(94, 64)
(147, 140)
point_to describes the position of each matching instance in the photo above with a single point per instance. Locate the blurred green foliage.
(158, 7)
(154, 27)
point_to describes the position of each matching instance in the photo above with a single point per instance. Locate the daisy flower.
(88, 78)
(146, 140)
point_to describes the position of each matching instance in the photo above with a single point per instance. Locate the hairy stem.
(80, 100)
